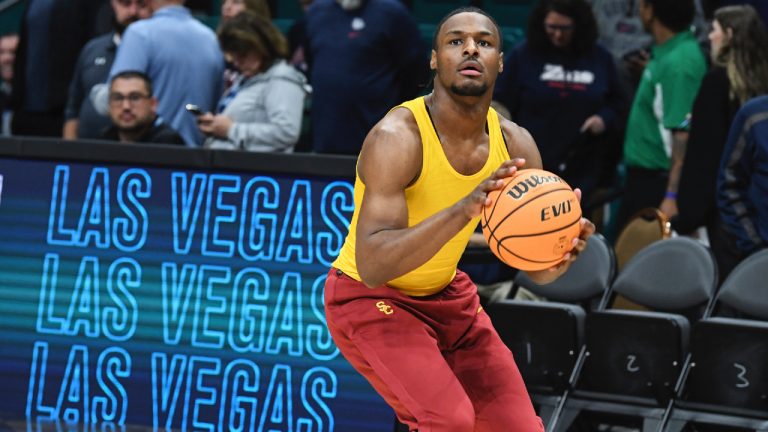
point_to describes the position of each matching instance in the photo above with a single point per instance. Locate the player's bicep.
(381, 210)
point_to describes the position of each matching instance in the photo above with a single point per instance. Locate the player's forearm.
(390, 253)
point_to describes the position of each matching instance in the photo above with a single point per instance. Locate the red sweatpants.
(436, 360)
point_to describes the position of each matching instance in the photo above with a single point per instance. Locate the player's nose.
(470, 47)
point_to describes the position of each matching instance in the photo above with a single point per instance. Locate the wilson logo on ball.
(520, 189)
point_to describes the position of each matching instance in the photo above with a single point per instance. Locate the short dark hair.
(247, 32)
(676, 15)
(468, 9)
(135, 74)
(584, 24)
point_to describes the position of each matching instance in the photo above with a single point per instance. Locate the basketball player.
(396, 306)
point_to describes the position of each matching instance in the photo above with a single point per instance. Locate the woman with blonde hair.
(262, 110)
(739, 52)
(740, 45)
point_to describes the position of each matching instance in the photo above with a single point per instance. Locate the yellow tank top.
(439, 186)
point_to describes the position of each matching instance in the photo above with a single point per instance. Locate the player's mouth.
(470, 68)
(470, 71)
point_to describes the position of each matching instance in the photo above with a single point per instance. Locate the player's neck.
(458, 116)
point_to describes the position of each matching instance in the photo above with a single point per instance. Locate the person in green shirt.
(657, 129)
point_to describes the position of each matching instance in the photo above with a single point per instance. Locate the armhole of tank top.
(423, 136)
(504, 144)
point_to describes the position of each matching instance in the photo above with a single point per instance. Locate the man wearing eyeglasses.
(133, 110)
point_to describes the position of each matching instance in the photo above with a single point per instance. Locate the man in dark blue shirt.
(52, 34)
(365, 57)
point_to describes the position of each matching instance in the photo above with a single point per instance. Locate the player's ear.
(433, 60)
(501, 62)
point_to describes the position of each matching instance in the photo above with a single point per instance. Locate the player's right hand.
(473, 203)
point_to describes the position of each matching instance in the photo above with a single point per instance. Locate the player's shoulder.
(394, 141)
(520, 143)
(398, 128)
(515, 132)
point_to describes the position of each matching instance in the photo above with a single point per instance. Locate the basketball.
(532, 220)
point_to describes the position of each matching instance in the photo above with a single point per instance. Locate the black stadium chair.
(728, 380)
(636, 357)
(547, 338)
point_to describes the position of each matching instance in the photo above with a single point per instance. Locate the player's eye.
(455, 42)
(483, 43)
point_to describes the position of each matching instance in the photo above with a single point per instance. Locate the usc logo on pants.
(384, 308)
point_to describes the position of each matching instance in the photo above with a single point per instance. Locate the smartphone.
(194, 109)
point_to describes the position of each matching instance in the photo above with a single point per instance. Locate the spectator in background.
(742, 184)
(52, 35)
(230, 8)
(620, 31)
(262, 110)
(562, 87)
(365, 57)
(739, 51)
(8, 46)
(133, 110)
(81, 118)
(182, 58)
(657, 129)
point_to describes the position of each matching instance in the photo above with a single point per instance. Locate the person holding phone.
(263, 109)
